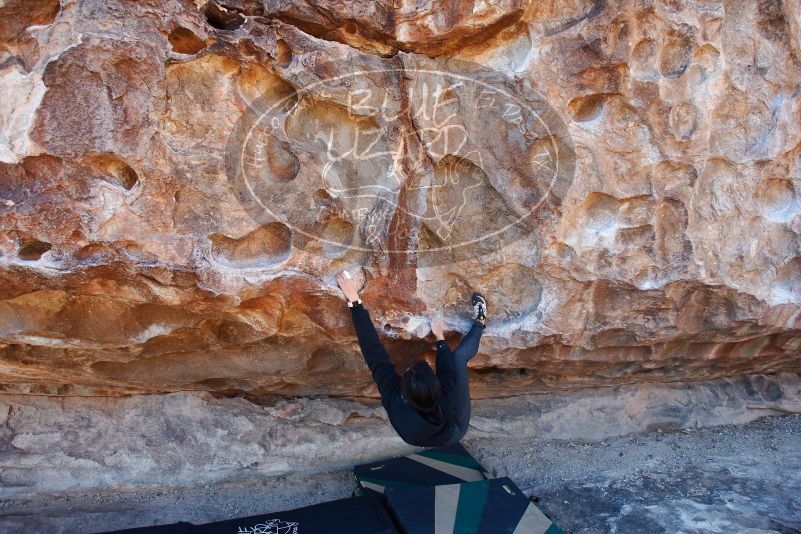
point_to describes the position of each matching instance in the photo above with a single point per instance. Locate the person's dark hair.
(420, 387)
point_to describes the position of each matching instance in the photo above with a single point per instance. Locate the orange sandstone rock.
(177, 191)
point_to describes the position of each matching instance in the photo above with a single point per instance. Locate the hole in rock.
(643, 58)
(263, 89)
(338, 236)
(323, 198)
(776, 200)
(184, 41)
(33, 250)
(595, 222)
(787, 286)
(263, 247)
(282, 163)
(674, 58)
(283, 54)
(586, 108)
(600, 211)
(118, 172)
(92, 252)
(276, 164)
(222, 18)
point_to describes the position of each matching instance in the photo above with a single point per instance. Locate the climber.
(426, 409)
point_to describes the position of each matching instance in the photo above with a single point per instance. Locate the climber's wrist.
(356, 302)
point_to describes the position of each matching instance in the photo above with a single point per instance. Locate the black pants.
(467, 348)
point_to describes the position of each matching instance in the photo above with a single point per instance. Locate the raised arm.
(382, 369)
(384, 374)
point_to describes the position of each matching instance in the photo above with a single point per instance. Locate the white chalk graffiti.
(438, 133)
(402, 160)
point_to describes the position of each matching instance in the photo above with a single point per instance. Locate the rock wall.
(181, 181)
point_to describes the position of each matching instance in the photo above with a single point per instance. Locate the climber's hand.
(437, 328)
(348, 286)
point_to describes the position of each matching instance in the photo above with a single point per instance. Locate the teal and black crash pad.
(354, 515)
(451, 464)
(494, 506)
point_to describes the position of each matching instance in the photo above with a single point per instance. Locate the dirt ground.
(728, 479)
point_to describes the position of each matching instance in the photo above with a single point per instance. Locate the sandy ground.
(729, 479)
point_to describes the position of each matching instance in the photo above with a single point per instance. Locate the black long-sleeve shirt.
(410, 423)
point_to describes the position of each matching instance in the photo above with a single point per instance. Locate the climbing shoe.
(479, 306)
